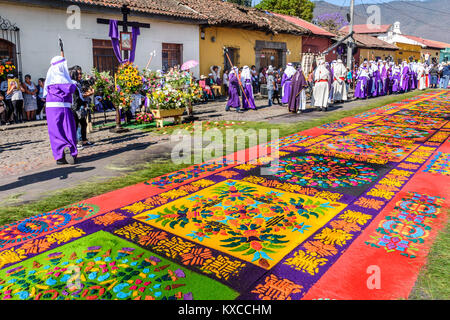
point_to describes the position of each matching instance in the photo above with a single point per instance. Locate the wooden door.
(104, 57)
(270, 57)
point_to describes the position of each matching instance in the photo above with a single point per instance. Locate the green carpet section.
(103, 266)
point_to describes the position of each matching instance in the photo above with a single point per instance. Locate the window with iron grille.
(172, 55)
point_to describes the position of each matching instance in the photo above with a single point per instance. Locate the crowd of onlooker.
(21, 101)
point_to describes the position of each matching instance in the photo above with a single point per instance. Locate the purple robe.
(382, 89)
(248, 89)
(387, 82)
(286, 85)
(233, 92)
(60, 119)
(412, 79)
(405, 77)
(375, 85)
(361, 86)
(396, 82)
(298, 83)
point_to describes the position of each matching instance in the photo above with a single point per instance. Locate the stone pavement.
(28, 170)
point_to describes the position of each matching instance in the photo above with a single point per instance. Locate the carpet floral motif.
(254, 223)
(324, 172)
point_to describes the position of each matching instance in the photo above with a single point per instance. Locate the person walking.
(321, 92)
(29, 98)
(58, 92)
(233, 90)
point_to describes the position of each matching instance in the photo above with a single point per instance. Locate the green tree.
(299, 8)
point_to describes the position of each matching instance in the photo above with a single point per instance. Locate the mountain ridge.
(417, 18)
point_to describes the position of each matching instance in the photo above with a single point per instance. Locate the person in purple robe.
(248, 100)
(58, 92)
(233, 90)
(362, 79)
(297, 97)
(388, 82)
(376, 79)
(384, 76)
(404, 80)
(396, 77)
(412, 75)
(286, 81)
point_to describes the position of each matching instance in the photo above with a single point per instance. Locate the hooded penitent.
(362, 79)
(286, 82)
(233, 89)
(339, 86)
(297, 98)
(322, 79)
(58, 92)
(248, 101)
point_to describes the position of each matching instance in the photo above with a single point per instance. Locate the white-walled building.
(29, 33)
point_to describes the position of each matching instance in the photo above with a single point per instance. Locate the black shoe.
(61, 161)
(68, 156)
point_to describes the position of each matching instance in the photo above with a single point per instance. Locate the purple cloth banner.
(115, 35)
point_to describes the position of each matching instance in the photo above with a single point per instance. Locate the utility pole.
(350, 40)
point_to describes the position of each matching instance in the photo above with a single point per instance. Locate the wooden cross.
(125, 24)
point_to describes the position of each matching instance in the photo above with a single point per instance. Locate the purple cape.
(233, 92)
(286, 84)
(298, 84)
(248, 89)
(60, 121)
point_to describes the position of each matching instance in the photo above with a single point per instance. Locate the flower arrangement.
(195, 92)
(104, 84)
(153, 80)
(144, 117)
(128, 78)
(128, 81)
(168, 98)
(6, 68)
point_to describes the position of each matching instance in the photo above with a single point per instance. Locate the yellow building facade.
(434, 53)
(375, 54)
(246, 47)
(407, 51)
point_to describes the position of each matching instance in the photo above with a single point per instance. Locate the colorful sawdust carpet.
(369, 186)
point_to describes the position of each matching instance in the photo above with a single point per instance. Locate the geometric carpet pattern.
(341, 202)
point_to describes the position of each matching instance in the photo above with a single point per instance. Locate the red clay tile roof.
(429, 43)
(366, 41)
(316, 30)
(365, 28)
(230, 14)
(215, 12)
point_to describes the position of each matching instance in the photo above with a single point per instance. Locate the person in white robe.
(421, 84)
(339, 87)
(321, 91)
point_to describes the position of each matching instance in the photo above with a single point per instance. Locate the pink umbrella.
(189, 65)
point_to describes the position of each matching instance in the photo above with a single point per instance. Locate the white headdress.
(58, 73)
(245, 74)
(290, 70)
